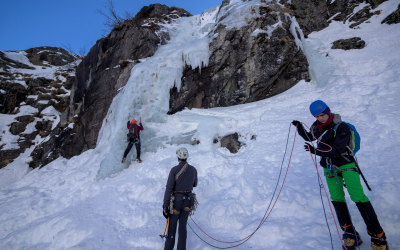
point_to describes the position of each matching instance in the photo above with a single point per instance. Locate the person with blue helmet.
(330, 130)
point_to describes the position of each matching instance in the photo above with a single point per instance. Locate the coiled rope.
(265, 217)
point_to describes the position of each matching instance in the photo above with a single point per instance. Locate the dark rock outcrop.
(14, 94)
(244, 68)
(362, 15)
(342, 10)
(8, 156)
(310, 14)
(313, 15)
(24, 87)
(375, 3)
(52, 55)
(351, 43)
(18, 127)
(231, 142)
(394, 17)
(6, 63)
(65, 144)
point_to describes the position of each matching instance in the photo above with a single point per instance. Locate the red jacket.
(137, 128)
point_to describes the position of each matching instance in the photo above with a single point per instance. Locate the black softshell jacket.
(186, 182)
(338, 142)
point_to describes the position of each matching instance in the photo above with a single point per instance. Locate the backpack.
(132, 133)
(355, 139)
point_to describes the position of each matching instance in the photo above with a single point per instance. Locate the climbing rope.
(320, 191)
(265, 217)
(319, 176)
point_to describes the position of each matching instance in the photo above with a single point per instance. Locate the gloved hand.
(165, 212)
(297, 123)
(141, 124)
(312, 149)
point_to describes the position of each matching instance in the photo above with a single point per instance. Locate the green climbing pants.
(352, 180)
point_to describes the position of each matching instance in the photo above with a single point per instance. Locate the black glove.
(297, 123)
(140, 124)
(312, 149)
(165, 212)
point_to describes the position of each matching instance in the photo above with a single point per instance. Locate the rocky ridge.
(252, 63)
(34, 90)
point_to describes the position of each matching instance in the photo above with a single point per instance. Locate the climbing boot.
(123, 160)
(351, 242)
(138, 160)
(378, 241)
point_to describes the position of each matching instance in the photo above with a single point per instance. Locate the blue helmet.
(317, 107)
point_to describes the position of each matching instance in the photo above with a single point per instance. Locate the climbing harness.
(171, 204)
(265, 217)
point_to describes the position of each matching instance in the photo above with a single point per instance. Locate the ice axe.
(164, 235)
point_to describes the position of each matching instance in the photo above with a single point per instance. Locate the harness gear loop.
(171, 204)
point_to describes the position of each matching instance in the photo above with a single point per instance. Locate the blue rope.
(320, 189)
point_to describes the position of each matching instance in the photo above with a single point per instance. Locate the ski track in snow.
(65, 205)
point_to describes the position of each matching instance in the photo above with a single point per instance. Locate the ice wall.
(146, 95)
(320, 69)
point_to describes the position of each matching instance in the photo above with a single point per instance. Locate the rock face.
(245, 65)
(23, 85)
(44, 56)
(351, 43)
(99, 77)
(231, 142)
(314, 15)
(310, 14)
(394, 17)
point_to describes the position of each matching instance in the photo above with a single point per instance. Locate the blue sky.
(26, 24)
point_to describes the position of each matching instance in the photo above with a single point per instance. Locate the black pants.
(366, 211)
(182, 217)
(128, 148)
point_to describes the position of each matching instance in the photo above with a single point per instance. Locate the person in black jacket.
(181, 180)
(329, 129)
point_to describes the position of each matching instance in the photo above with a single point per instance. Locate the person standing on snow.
(134, 139)
(338, 138)
(181, 180)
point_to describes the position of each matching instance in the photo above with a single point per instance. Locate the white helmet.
(182, 153)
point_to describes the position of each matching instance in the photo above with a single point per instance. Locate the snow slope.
(93, 202)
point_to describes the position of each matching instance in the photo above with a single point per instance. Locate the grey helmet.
(182, 153)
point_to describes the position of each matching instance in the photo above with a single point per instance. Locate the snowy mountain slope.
(30, 113)
(72, 204)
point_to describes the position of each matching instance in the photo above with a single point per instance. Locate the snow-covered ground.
(93, 202)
